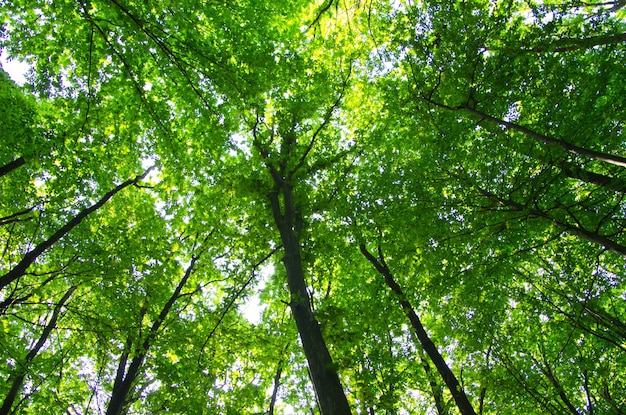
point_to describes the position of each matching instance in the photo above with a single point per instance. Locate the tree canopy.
(333, 207)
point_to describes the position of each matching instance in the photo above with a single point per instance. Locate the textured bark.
(328, 389)
(453, 385)
(20, 269)
(9, 167)
(18, 380)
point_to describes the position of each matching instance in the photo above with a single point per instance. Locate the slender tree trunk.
(581, 151)
(328, 389)
(125, 377)
(576, 230)
(18, 380)
(457, 392)
(279, 372)
(569, 44)
(547, 371)
(575, 172)
(12, 165)
(20, 269)
(435, 388)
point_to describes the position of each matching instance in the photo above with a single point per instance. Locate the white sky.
(16, 69)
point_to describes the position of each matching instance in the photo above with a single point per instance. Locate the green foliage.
(477, 143)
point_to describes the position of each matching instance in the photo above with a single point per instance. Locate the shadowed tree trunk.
(461, 400)
(282, 165)
(9, 167)
(20, 269)
(279, 372)
(435, 387)
(125, 377)
(18, 380)
(328, 389)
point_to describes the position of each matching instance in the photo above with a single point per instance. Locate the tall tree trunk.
(20, 269)
(435, 388)
(125, 377)
(328, 389)
(12, 165)
(18, 380)
(461, 400)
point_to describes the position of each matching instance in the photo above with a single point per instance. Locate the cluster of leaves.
(163, 157)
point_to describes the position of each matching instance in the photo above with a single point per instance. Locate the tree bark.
(125, 377)
(18, 380)
(328, 389)
(461, 400)
(12, 165)
(20, 269)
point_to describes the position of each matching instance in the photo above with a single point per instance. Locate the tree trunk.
(125, 378)
(575, 172)
(20, 269)
(328, 389)
(581, 151)
(461, 400)
(569, 44)
(591, 236)
(18, 379)
(279, 372)
(12, 165)
(435, 388)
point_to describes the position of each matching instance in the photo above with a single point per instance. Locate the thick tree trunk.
(125, 378)
(461, 400)
(328, 389)
(20, 269)
(9, 167)
(18, 380)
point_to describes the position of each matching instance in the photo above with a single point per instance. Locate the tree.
(478, 145)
